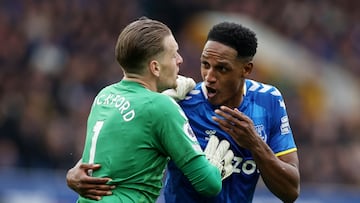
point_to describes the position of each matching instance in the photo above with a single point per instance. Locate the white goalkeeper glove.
(184, 85)
(220, 155)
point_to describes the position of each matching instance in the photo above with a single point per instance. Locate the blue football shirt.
(264, 104)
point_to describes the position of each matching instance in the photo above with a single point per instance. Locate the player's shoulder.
(163, 98)
(259, 89)
(195, 96)
(162, 106)
(107, 89)
(159, 106)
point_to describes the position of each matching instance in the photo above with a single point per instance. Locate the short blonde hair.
(139, 42)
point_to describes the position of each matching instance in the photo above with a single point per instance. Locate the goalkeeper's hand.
(184, 85)
(220, 155)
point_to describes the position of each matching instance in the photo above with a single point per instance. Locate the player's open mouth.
(211, 92)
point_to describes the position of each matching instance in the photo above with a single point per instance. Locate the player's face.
(169, 64)
(224, 74)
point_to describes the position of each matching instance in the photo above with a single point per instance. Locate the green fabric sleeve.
(205, 178)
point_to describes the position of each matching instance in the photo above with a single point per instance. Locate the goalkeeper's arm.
(205, 177)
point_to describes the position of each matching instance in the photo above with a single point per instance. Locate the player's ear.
(248, 68)
(155, 68)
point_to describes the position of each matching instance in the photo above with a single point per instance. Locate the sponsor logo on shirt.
(240, 164)
(210, 132)
(247, 167)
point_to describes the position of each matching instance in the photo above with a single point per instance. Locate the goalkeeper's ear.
(184, 85)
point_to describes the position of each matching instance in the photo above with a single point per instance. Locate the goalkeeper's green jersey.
(133, 132)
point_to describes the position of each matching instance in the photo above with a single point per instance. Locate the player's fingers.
(230, 123)
(227, 171)
(228, 157)
(94, 180)
(93, 197)
(211, 146)
(85, 166)
(235, 113)
(228, 116)
(226, 128)
(223, 123)
(97, 192)
(222, 148)
(92, 186)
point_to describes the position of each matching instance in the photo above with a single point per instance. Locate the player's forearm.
(281, 178)
(205, 178)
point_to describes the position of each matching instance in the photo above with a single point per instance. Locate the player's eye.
(222, 68)
(205, 65)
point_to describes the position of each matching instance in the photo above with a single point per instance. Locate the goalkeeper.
(133, 130)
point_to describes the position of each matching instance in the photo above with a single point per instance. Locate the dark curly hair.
(236, 36)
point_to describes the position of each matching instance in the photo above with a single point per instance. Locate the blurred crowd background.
(56, 55)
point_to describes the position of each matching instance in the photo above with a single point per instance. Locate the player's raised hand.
(77, 178)
(220, 155)
(239, 126)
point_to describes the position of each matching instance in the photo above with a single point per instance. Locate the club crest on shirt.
(261, 131)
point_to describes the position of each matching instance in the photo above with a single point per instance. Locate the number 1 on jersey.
(96, 130)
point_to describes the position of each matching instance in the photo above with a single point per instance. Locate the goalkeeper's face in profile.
(168, 64)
